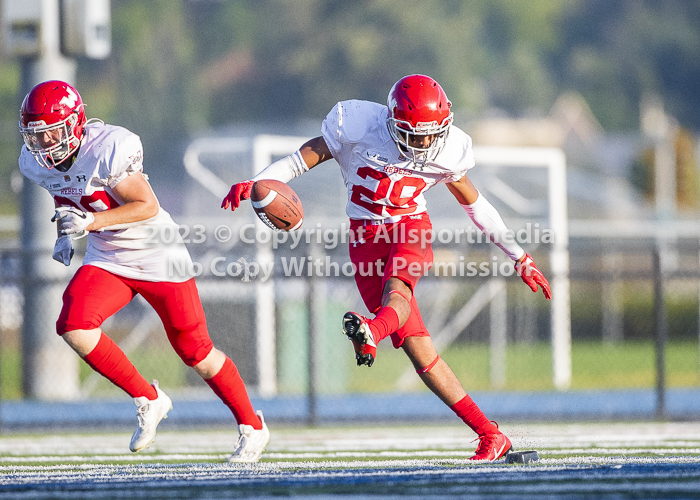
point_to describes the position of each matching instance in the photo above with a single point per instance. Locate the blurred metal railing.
(314, 359)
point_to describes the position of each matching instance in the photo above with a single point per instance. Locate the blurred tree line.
(181, 67)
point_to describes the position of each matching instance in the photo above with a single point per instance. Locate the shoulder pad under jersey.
(351, 120)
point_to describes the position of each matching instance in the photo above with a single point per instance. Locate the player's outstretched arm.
(489, 221)
(310, 154)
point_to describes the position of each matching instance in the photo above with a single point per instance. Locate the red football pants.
(400, 250)
(94, 294)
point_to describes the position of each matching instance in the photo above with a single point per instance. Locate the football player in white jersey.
(94, 173)
(389, 156)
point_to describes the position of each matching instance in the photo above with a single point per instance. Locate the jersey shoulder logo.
(376, 157)
(135, 159)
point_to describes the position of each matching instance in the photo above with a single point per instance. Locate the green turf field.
(595, 366)
(529, 366)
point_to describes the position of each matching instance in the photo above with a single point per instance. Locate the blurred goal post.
(265, 148)
(554, 160)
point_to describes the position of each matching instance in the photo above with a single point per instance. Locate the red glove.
(532, 276)
(238, 193)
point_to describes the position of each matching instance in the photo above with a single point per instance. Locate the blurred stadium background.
(612, 85)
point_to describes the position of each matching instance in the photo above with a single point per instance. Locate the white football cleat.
(251, 443)
(149, 413)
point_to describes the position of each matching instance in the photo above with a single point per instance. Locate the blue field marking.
(548, 406)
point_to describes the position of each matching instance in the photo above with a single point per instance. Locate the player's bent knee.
(407, 299)
(399, 285)
(191, 342)
(396, 287)
(192, 351)
(211, 365)
(82, 341)
(193, 356)
(67, 324)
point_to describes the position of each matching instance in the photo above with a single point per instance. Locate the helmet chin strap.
(64, 166)
(419, 164)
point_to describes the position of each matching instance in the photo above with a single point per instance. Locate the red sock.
(471, 415)
(109, 360)
(384, 324)
(229, 386)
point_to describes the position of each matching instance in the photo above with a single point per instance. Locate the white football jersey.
(381, 183)
(150, 250)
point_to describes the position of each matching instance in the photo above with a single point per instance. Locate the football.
(277, 205)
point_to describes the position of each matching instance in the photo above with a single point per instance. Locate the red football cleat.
(492, 447)
(355, 327)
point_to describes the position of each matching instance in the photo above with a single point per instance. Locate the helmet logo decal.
(69, 100)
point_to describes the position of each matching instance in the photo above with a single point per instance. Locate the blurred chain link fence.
(492, 330)
(612, 323)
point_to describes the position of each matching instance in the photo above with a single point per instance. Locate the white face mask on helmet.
(51, 123)
(419, 117)
(51, 144)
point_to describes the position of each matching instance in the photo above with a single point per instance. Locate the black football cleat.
(356, 328)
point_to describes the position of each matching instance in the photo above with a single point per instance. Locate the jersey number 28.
(396, 204)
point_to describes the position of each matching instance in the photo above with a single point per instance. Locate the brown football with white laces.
(277, 205)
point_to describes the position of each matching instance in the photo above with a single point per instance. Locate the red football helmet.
(419, 117)
(51, 122)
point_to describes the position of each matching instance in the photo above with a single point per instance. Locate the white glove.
(73, 221)
(63, 250)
